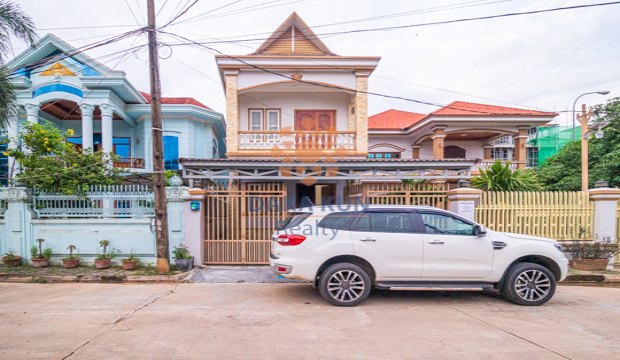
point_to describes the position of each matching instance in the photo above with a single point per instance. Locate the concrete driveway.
(291, 321)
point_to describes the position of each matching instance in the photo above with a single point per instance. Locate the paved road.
(291, 321)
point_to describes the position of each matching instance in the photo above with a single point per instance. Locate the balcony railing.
(506, 140)
(487, 163)
(129, 163)
(293, 140)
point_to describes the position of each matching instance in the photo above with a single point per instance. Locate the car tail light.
(290, 240)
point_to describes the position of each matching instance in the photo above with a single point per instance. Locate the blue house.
(60, 85)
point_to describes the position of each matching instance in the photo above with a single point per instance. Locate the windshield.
(293, 219)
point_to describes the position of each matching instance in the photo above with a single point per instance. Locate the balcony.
(487, 163)
(129, 163)
(297, 140)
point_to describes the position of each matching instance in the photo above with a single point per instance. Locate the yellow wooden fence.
(557, 215)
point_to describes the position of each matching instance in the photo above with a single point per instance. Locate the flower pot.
(102, 264)
(40, 262)
(70, 263)
(130, 264)
(12, 262)
(590, 264)
(184, 264)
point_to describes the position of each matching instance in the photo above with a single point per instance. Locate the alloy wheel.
(345, 286)
(532, 285)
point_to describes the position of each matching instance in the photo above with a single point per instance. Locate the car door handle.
(436, 242)
(368, 239)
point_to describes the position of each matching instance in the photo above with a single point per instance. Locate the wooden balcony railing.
(129, 163)
(292, 140)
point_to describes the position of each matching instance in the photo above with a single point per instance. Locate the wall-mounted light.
(137, 141)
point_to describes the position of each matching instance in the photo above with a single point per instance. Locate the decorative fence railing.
(556, 215)
(3, 206)
(303, 140)
(98, 201)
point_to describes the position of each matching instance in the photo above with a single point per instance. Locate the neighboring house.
(105, 111)
(458, 130)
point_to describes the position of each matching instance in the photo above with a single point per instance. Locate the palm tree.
(13, 22)
(499, 177)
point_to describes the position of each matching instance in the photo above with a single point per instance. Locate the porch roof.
(344, 169)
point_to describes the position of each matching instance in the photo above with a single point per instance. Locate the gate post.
(18, 219)
(194, 224)
(462, 201)
(605, 203)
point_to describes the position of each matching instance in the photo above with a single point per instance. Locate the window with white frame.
(256, 123)
(502, 154)
(273, 123)
(532, 157)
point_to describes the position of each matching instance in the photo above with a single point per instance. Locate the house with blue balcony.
(60, 85)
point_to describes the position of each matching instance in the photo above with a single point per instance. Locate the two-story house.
(62, 86)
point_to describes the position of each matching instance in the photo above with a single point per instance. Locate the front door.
(388, 241)
(452, 251)
(313, 121)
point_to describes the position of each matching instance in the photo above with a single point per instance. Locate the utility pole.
(161, 217)
(583, 120)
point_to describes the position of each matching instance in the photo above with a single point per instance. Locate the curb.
(103, 279)
(591, 279)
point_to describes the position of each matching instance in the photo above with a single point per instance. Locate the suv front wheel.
(529, 284)
(344, 284)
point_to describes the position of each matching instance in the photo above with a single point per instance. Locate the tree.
(499, 177)
(51, 163)
(13, 21)
(562, 171)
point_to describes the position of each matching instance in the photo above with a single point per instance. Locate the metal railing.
(506, 140)
(3, 207)
(304, 140)
(96, 202)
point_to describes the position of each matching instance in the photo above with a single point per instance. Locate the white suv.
(346, 252)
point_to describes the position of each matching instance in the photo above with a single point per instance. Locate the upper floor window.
(122, 146)
(384, 155)
(532, 157)
(502, 154)
(4, 165)
(256, 120)
(171, 152)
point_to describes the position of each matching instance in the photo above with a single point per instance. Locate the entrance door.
(315, 120)
(452, 251)
(388, 240)
(317, 194)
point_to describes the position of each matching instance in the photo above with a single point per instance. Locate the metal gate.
(427, 194)
(239, 221)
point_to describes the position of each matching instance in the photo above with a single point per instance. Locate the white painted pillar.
(605, 205)
(13, 133)
(32, 113)
(194, 224)
(462, 201)
(87, 125)
(107, 111)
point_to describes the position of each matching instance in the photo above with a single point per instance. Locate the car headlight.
(559, 247)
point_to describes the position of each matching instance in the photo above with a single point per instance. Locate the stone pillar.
(107, 111)
(18, 219)
(415, 151)
(175, 201)
(87, 126)
(438, 138)
(520, 147)
(194, 224)
(605, 216)
(352, 113)
(232, 111)
(463, 200)
(32, 113)
(13, 133)
(361, 109)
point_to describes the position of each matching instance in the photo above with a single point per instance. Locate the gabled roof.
(393, 120)
(462, 108)
(176, 101)
(293, 37)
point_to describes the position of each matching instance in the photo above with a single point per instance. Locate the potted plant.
(591, 255)
(40, 257)
(72, 260)
(183, 258)
(103, 260)
(10, 259)
(130, 263)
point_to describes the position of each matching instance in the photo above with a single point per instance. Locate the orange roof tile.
(393, 120)
(461, 108)
(176, 101)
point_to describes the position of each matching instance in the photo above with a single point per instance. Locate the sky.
(540, 61)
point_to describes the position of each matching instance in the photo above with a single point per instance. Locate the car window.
(391, 222)
(293, 219)
(445, 224)
(338, 220)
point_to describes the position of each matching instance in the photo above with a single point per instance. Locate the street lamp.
(575, 103)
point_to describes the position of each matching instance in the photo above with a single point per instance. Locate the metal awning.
(346, 169)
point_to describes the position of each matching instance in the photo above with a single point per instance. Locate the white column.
(107, 111)
(32, 112)
(87, 125)
(13, 133)
(605, 204)
(193, 224)
(463, 201)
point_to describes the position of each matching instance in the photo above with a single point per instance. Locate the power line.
(88, 27)
(210, 11)
(180, 14)
(246, 9)
(132, 14)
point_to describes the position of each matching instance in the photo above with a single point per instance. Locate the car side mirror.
(479, 230)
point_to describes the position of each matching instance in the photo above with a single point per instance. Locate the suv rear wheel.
(529, 284)
(344, 284)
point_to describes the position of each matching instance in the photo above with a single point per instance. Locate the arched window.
(453, 152)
